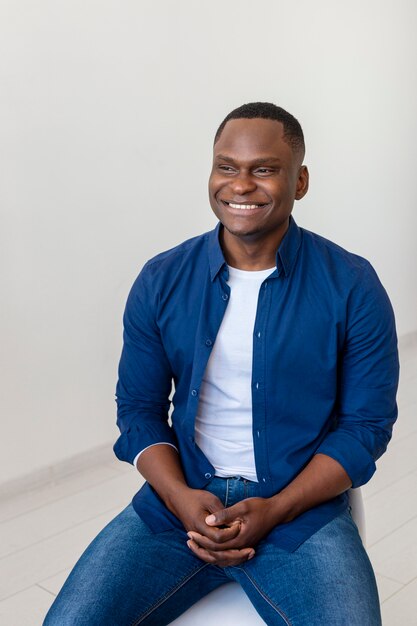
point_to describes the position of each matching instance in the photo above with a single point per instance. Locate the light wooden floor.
(43, 533)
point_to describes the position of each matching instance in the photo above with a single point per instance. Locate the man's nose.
(242, 184)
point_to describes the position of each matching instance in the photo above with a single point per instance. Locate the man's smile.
(245, 206)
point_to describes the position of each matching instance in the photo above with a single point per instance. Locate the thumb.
(223, 516)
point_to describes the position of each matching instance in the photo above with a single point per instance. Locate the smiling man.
(282, 349)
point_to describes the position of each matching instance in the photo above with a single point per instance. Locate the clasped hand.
(224, 536)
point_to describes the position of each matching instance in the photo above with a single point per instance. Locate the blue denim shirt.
(324, 378)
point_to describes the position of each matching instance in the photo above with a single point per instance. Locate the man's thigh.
(327, 580)
(129, 576)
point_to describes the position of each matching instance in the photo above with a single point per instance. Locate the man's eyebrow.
(260, 161)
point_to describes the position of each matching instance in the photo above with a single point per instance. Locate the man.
(282, 350)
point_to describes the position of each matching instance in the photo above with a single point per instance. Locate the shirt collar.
(286, 253)
(215, 252)
(288, 248)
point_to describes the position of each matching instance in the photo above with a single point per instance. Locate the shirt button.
(209, 343)
(257, 385)
(207, 475)
(259, 334)
(194, 392)
(258, 433)
(264, 480)
(225, 296)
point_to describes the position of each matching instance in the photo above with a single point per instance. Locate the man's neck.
(250, 254)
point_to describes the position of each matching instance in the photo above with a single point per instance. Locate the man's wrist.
(284, 507)
(174, 496)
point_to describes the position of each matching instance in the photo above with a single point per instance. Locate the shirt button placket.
(259, 334)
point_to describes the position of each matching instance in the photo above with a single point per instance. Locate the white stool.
(229, 604)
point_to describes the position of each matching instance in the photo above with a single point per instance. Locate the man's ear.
(302, 183)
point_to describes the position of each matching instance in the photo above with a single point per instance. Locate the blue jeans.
(129, 576)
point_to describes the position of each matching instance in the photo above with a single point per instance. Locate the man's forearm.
(321, 480)
(160, 466)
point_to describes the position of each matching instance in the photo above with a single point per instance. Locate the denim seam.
(227, 493)
(266, 598)
(168, 595)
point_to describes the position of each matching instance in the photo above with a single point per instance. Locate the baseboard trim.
(52, 474)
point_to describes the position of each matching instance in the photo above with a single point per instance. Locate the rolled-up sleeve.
(145, 376)
(366, 407)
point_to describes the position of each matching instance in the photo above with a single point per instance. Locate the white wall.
(107, 116)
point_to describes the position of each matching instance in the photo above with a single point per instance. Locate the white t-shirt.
(223, 427)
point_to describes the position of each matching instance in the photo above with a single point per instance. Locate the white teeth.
(244, 206)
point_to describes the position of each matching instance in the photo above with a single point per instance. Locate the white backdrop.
(107, 115)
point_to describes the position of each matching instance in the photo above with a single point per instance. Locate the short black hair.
(293, 133)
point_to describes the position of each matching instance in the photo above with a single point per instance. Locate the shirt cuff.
(166, 443)
(355, 459)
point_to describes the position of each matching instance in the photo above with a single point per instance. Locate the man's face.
(255, 178)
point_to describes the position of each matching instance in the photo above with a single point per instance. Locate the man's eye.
(264, 170)
(226, 168)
